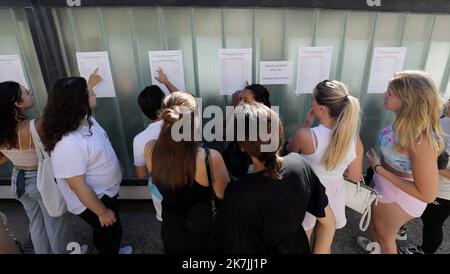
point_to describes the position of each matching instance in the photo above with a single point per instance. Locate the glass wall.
(273, 34)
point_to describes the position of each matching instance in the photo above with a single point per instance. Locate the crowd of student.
(244, 200)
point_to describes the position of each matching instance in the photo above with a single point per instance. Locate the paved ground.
(142, 230)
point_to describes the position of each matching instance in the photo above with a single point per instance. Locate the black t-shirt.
(260, 215)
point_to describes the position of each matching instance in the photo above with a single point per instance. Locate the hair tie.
(346, 98)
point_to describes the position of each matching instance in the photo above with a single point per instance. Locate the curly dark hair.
(67, 106)
(10, 116)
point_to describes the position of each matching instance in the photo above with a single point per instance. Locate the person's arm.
(148, 155)
(141, 172)
(219, 173)
(424, 170)
(88, 197)
(445, 173)
(162, 78)
(354, 170)
(301, 142)
(325, 229)
(3, 159)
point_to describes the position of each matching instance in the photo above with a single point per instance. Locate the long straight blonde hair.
(346, 110)
(420, 112)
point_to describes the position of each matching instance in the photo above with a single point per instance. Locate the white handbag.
(360, 198)
(46, 183)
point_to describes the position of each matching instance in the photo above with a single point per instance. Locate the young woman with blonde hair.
(407, 175)
(179, 170)
(333, 148)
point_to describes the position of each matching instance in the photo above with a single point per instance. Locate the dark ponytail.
(10, 116)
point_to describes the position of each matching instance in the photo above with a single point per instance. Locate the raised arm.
(162, 78)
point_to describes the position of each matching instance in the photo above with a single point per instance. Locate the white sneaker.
(126, 250)
(369, 246)
(410, 250)
(401, 235)
(363, 242)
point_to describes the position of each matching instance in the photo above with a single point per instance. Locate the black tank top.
(187, 219)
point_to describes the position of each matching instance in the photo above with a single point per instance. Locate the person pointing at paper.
(84, 162)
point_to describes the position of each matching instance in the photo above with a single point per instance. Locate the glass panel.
(208, 38)
(299, 31)
(178, 30)
(388, 33)
(269, 45)
(330, 31)
(438, 54)
(16, 39)
(415, 38)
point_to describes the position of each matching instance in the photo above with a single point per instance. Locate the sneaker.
(126, 250)
(363, 242)
(410, 250)
(367, 245)
(401, 234)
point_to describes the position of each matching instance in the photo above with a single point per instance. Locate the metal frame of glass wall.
(46, 34)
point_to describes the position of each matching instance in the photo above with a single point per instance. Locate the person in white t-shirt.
(150, 101)
(84, 163)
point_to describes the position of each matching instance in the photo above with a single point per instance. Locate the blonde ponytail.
(346, 110)
(343, 133)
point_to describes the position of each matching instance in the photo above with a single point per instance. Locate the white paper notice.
(275, 73)
(171, 63)
(314, 65)
(11, 69)
(385, 63)
(235, 69)
(88, 62)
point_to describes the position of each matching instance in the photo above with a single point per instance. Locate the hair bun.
(171, 115)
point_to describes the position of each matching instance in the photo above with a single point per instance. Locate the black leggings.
(433, 219)
(106, 239)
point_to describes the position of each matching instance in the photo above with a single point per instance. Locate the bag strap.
(40, 151)
(367, 214)
(210, 182)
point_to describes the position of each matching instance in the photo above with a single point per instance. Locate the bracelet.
(375, 167)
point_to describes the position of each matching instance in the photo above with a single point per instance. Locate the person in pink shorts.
(407, 174)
